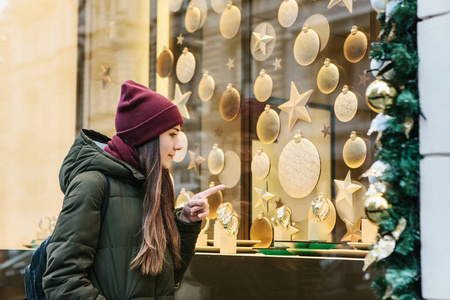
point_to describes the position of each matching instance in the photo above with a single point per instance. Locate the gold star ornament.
(263, 197)
(353, 231)
(196, 160)
(277, 63)
(180, 101)
(105, 76)
(346, 189)
(347, 3)
(296, 106)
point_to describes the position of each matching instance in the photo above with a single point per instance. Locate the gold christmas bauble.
(380, 94)
(214, 202)
(164, 63)
(376, 207)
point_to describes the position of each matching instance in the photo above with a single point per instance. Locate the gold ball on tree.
(380, 94)
(376, 207)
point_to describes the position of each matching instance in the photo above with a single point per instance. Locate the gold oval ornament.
(203, 7)
(164, 63)
(175, 5)
(355, 151)
(346, 105)
(262, 41)
(260, 165)
(214, 202)
(261, 230)
(320, 25)
(219, 5)
(355, 45)
(231, 173)
(268, 126)
(306, 46)
(287, 13)
(263, 86)
(185, 66)
(299, 167)
(230, 21)
(216, 160)
(181, 154)
(206, 87)
(182, 198)
(192, 18)
(328, 77)
(230, 103)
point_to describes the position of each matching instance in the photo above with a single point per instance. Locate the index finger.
(209, 191)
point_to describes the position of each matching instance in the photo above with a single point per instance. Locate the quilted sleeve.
(74, 241)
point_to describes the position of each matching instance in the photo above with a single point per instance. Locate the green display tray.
(274, 251)
(309, 245)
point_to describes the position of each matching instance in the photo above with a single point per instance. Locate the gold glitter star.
(181, 100)
(263, 197)
(105, 77)
(180, 39)
(326, 130)
(196, 160)
(346, 189)
(262, 39)
(295, 107)
(277, 63)
(353, 231)
(363, 79)
(230, 63)
(348, 3)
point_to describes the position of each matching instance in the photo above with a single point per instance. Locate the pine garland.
(398, 275)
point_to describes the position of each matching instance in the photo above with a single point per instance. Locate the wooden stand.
(318, 231)
(218, 232)
(369, 231)
(202, 239)
(228, 244)
(280, 234)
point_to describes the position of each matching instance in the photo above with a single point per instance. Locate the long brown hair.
(158, 224)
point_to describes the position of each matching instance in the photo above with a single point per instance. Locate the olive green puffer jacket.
(89, 261)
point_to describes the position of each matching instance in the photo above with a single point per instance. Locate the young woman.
(143, 246)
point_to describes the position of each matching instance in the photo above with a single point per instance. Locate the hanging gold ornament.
(175, 5)
(306, 46)
(320, 207)
(182, 198)
(268, 126)
(287, 13)
(353, 231)
(261, 230)
(230, 21)
(299, 167)
(181, 154)
(346, 105)
(206, 87)
(196, 160)
(319, 23)
(219, 5)
(203, 7)
(192, 18)
(230, 103)
(355, 151)
(231, 173)
(296, 106)
(347, 3)
(355, 45)
(376, 206)
(380, 94)
(328, 77)
(164, 63)
(216, 160)
(214, 202)
(180, 100)
(260, 165)
(262, 41)
(263, 86)
(185, 66)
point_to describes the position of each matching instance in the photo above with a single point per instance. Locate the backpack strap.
(105, 202)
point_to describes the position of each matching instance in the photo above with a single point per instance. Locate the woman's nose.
(177, 146)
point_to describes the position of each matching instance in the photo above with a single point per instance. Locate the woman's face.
(168, 145)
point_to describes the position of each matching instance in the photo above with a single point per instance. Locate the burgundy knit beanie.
(143, 114)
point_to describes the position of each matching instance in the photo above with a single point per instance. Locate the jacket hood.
(86, 155)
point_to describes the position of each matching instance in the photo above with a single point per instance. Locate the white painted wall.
(434, 88)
